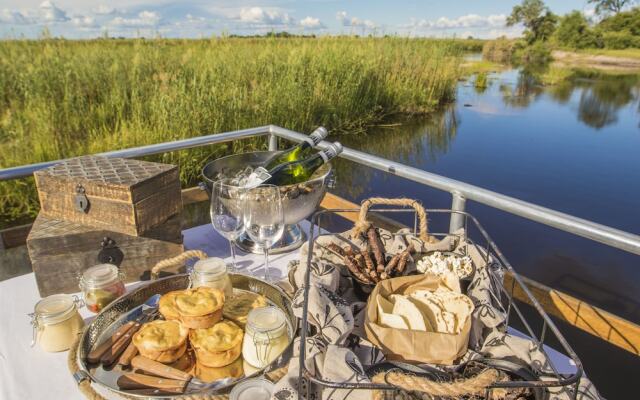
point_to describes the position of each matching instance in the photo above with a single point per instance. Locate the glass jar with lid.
(100, 285)
(212, 272)
(56, 322)
(266, 336)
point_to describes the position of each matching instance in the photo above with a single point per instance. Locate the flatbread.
(435, 314)
(386, 318)
(405, 308)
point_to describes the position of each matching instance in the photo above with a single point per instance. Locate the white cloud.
(104, 10)
(463, 22)
(354, 21)
(83, 21)
(50, 13)
(14, 17)
(311, 23)
(144, 19)
(259, 15)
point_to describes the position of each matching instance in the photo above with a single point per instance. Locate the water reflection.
(409, 142)
(601, 95)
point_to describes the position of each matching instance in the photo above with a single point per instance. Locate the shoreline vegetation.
(61, 98)
(573, 39)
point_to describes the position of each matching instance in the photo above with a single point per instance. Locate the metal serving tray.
(128, 307)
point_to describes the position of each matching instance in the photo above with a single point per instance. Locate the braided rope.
(176, 261)
(471, 386)
(362, 224)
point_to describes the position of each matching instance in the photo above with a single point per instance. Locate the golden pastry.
(162, 341)
(210, 374)
(217, 346)
(167, 305)
(237, 307)
(186, 362)
(200, 307)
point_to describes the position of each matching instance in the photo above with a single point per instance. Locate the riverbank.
(623, 60)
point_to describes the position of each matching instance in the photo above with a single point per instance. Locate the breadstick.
(352, 264)
(337, 249)
(392, 264)
(403, 258)
(376, 245)
(368, 262)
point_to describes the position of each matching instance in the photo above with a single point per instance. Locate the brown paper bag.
(408, 345)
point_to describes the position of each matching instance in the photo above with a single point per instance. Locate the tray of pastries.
(186, 340)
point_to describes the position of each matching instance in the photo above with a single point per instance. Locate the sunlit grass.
(66, 98)
(626, 53)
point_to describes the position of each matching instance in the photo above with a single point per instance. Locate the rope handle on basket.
(471, 386)
(176, 261)
(362, 224)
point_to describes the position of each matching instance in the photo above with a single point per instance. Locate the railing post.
(457, 204)
(273, 142)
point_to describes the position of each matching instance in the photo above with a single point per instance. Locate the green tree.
(574, 31)
(610, 6)
(536, 17)
(627, 21)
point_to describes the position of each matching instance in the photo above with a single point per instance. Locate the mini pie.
(210, 374)
(237, 308)
(200, 307)
(162, 341)
(217, 346)
(167, 305)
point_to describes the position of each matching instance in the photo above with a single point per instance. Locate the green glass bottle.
(299, 151)
(300, 171)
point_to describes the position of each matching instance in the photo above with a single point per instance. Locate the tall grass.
(66, 98)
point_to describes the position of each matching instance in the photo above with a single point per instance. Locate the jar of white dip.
(56, 322)
(212, 272)
(266, 336)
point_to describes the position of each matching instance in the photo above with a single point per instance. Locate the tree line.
(616, 26)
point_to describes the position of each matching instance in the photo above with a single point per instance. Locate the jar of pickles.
(100, 285)
(56, 322)
(212, 272)
(266, 336)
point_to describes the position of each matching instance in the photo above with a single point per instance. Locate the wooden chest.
(116, 194)
(61, 250)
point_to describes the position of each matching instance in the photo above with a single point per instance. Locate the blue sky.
(198, 18)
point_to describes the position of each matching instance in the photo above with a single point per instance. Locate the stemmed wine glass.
(264, 218)
(227, 215)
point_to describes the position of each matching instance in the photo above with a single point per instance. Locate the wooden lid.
(107, 171)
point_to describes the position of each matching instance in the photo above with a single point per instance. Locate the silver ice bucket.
(300, 200)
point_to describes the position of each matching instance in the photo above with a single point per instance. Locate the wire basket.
(529, 317)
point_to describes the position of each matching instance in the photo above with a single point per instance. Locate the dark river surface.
(572, 147)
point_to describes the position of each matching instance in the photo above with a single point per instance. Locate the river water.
(572, 147)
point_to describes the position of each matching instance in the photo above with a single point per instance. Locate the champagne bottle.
(299, 151)
(299, 171)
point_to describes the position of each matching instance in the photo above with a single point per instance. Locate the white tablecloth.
(29, 373)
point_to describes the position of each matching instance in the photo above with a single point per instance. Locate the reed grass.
(62, 98)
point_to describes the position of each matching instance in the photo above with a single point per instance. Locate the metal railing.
(460, 191)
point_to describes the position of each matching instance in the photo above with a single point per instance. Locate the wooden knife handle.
(139, 381)
(128, 354)
(153, 367)
(118, 347)
(96, 354)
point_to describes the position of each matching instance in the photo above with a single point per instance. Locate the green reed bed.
(62, 98)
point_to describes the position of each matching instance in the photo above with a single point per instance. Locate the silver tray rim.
(292, 320)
